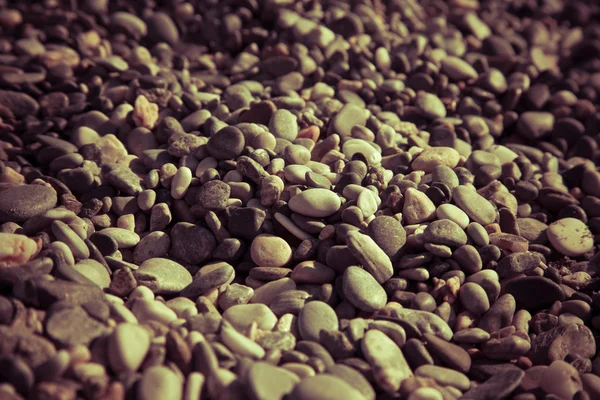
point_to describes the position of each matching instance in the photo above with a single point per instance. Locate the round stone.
(243, 315)
(348, 117)
(315, 317)
(163, 276)
(161, 28)
(19, 203)
(191, 243)
(474, 298)
(431, 157)
(457, 69)
(159, 382)
(453, 213)
(389, 234)
(561, 379)
(370, 150)
(430, 105)
(526, 291)
(570, 237)
(266, 381)
(284, 125)
(127, 347)
(362, 290)
(317, 203)
(226, 144)
(445, 232)
(270, 251)
(94, 271)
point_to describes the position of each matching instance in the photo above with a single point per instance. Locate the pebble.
(369, 150)
(389, 234)
(191, 243)
(425, 321)
(95, 272)
(389, 366)
(347, 118)
(451, 354)
(270, 251)
(458, 69)
(499, 315)
(163, 276)
(241, 316)
(284, 125)
(430, 105)
(127, 347)
(432, 157)
(266, 381)
(526, 292)
(556, 343)
(159, 382)
(372, 258)
(453, 213)
(417, 207)
(498, 386)
(445, 232)
(324, 387)
(22, 202)
(533, 125)
(16, 249)
(444, 376)
(475, 206)
(562, 380)
(316, 203)
(474, 298)
(316, 316)
(362, 290)
(517, 263)
(570, 237)
(19, 103)
(59, 327)
(226, 144)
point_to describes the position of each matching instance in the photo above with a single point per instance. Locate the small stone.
(417, 207)
(145, 113)
(458, 69)
(317, 203)
(210, 276)
(499, 315)
(425, 321)
(226, 144)
(362, 290)
(444, 376)
(284, 124)
(324, 387)
(127, 347)
(474, 298)
(452, 355)
(19, 103)
(445, 232)
(266, 381)
(562, 380)
(556, 343)
(570, 237)
(388, 233)
(517, 263)
(161, 28)
(315, 317)
(159, 382)
(370, 256)
(20, 203)
(526, 291)
(94, 271)
(348, 117)
(59, 327)
(191, 243)
(16, 249)
(499, 386)
(453, 213)
(163, 276)
(430, 105)
(431, 157)
(389, 366)
(241, 316)
(240, 344)
(533, 125)
(270, 251)
(475, 206)
(370, 151)
(312, 272)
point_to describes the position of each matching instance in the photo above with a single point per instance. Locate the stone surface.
(570, 237)
(19, 203)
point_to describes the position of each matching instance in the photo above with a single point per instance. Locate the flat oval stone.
(533, 230)
(59, 327)
(427, 322)
(226, 144)
(389, 366)
(451, 354)
(474, 298)
(161, 28)
(94, 271)
(453, 213)
(20, 203)
(324, 387)
(517, 263)
(388, 233)
(499, 315)
(270, 251)
(159, 382)
(430, 105)
(21, 104)
(315, 317)
(526, 291)
(570, 237)
(370, 150)
(444, 376)
(445, 232)
(533, 125)
(370, 255)
(458, 69)
(499, 386)
(431, 157)
(474, 205)
(561, 379)
(348, 117)
(266, 381)
(210, 276)
(362, 290)
(354, 378)
(241, 316)
(315, 203)
(127, 347)
(557, 343)
(418, 207)
(163, 276)
(284, 125)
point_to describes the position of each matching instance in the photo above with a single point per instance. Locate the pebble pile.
(299, 200)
